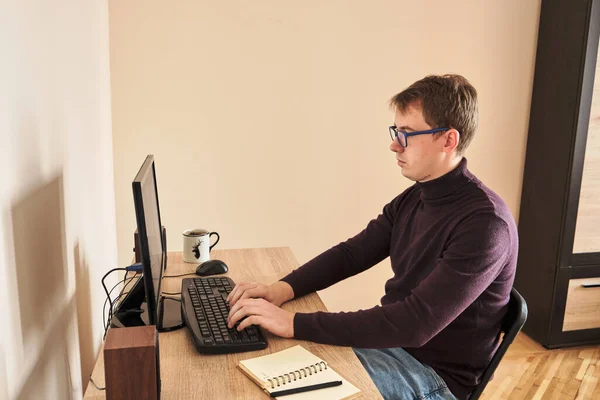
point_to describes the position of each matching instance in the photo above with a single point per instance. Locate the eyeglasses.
(403, 136)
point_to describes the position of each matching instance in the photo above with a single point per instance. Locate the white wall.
(268, 119)
(57, 210)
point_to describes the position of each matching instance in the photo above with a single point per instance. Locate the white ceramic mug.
(196, 245)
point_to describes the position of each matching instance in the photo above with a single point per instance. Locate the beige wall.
(268, 119)
(57, 210)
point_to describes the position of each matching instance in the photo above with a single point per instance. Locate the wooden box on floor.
(131, 364)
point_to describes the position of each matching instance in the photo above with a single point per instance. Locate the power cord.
(125, 277)
(104, 285)
(106, 322)
(175, 293)
(134, 267)
(114, 302)
(133, 310)
(177, 276)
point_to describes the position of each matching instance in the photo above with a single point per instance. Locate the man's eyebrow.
(405, 128)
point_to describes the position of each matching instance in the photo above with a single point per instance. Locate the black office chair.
(512, 324)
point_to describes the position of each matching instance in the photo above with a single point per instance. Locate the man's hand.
(261, 312)
(277, 293)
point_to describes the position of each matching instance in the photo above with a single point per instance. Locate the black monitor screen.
(145, 196)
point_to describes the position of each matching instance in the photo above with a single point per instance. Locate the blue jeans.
(398, 375)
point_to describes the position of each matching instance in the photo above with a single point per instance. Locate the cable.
(113, 302)
(113, 308)
(117, 299)
(109, 293)
(105, 322)
(107, 299)
(172, 293)
(106, 291)
(94, 383)
(177, 276)
(134, 267)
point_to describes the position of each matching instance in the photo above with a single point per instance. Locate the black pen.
(306, 388)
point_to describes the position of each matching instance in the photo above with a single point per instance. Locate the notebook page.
(282, 362)
(345, 391)
(295, 359)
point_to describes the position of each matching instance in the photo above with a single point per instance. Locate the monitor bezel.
(152, 298)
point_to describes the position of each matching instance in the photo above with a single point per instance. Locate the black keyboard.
(204, 309)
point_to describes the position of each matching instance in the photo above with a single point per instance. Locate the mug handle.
(217, 241)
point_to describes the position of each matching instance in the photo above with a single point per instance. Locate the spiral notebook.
(296, 367)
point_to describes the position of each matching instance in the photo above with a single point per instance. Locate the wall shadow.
(40, 256)
(48, 318)
(84, 316)
(3, 383)
(50, 378)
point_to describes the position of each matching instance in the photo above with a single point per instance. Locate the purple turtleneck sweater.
(452, 243)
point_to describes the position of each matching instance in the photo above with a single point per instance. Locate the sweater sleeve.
(475, 254)
(349, 258)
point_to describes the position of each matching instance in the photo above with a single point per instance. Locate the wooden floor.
(529, 371)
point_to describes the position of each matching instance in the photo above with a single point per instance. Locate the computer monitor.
(147, 213)
(145, 299)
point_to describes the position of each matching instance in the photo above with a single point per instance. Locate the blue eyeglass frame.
(394, 133)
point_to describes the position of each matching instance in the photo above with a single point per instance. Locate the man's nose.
(395, 146)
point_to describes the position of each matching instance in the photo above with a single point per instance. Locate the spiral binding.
(301, 373)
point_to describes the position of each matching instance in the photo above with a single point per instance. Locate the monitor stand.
(133, 311)
(169, 317)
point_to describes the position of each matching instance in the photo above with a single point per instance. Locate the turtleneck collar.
(446, 184)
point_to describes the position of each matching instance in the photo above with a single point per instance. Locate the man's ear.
(452, 140)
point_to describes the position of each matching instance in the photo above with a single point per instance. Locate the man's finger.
(253, 293)
(247, 310)
(243, 288)
(232, 293)
(236, 289)
(253, 320)
(239, 305)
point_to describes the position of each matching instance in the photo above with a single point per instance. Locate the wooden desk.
(185, 374)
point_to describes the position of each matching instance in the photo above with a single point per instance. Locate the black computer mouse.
(212, 267)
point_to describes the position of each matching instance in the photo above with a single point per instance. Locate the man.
(452, 243)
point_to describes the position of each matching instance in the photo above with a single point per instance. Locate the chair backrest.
(511, 325)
